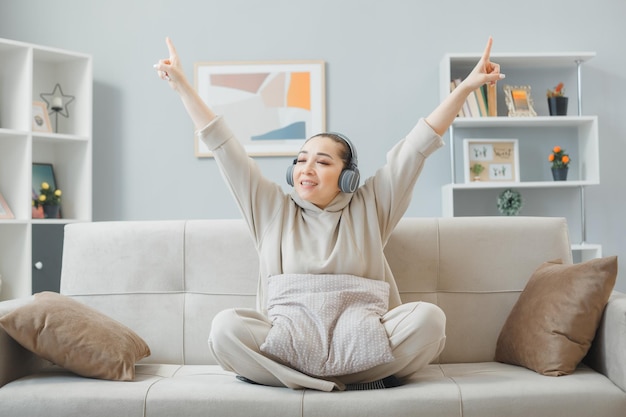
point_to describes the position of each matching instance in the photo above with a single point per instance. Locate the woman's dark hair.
(346, 152)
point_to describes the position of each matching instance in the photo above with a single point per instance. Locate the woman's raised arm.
(484, 72)
(171, 70)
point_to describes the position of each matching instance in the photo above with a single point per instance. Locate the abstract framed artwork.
(271, 107)
(491, 160)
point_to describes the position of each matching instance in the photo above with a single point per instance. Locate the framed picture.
(5, 211)
(41, 121)
(271, 107)
(42, 172)
(491, 160)
(518, 101)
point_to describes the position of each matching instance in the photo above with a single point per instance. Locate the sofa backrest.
(167, 279)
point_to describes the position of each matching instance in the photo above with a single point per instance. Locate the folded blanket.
(327, 325)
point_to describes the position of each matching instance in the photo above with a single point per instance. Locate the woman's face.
(317, 170)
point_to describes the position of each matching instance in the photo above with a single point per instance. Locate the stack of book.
(481, 103)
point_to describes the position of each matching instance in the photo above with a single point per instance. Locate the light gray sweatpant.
(416, 335)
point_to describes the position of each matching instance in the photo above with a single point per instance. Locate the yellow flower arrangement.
(48, 196)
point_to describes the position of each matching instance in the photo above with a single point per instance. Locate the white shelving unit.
(576, 133)
(26, 71)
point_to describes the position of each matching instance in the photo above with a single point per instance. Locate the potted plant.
(560, 163)
(510, 202)
(557, 102)
(50, 200)
(477, 169)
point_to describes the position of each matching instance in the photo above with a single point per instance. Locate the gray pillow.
(327, 325)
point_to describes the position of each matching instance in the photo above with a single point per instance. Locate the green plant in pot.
(510, 202)
(477, 169)
(557, 102)
(560, 163)
(49, 199)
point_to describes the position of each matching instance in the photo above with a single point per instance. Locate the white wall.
(382, 74)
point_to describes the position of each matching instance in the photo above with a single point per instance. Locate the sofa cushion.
(438, 390)
(554, 321)
(76, 337)
(327, 325)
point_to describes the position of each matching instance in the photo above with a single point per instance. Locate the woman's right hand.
(170, 69)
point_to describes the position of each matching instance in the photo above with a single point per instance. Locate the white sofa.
(167, 279)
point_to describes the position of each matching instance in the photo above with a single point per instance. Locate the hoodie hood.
(339, 202)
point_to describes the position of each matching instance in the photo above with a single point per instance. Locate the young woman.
(327, 225)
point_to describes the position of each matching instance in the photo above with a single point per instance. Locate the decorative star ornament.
(57, 93)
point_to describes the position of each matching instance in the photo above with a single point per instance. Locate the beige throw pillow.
(327, 325)
(554, 321)
(76, 337)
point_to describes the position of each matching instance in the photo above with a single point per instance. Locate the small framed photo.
(43, 172)
(5, 211)
(519, 101)
(271, 107)
(491, 160)
(41, 121)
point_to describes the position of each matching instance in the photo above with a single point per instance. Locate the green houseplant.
(510, 202)
(477, 169)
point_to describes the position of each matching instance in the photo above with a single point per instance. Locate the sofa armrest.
(608, 351)
(15, 361)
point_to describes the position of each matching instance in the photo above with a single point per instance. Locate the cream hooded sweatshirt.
(294, 236)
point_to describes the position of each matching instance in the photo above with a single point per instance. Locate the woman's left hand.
(485, 71)
(170, 69)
